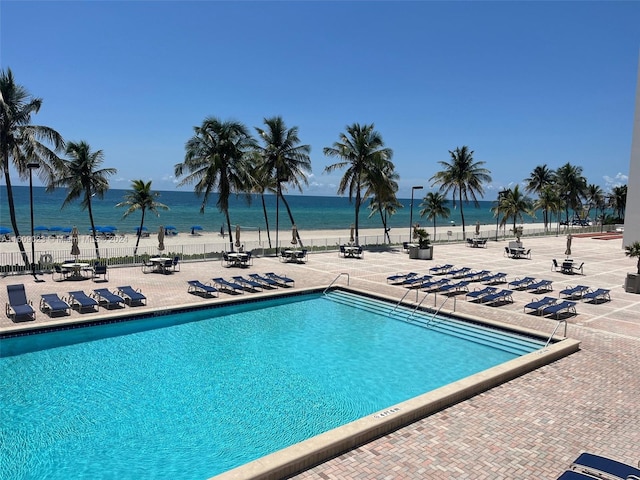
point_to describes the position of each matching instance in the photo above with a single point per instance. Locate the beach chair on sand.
(536, 305)
(51, 304)
(281, 279)
(19, 306)
(204, 289)
(132, 296)
(400, 277)
(603, 467)
(108, 299)
(230, 287)
(82, 301)
(266, 281)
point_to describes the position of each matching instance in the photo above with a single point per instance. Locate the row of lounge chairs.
(490, 295)
(551, 306)
(582, 292)
(589, 466)
(239, 284)
(20, 308)
(531, 284)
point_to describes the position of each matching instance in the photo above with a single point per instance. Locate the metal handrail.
(400, 301)
(418, 306)
(440, 308)
(335, 280)
(555, 330)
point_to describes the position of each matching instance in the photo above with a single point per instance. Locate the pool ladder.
(564, 320)
(421, 302)
(335, 280)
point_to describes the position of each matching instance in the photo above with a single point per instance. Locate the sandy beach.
(252, 239)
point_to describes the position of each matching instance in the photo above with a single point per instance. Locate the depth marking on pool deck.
(386, 413)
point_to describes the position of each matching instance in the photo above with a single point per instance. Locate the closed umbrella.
(161, 238)
(294, 235)
(567, 252)
(352, 234)
(75, 249)
(237, 235)
(477, 228)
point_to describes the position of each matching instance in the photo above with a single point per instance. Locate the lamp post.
(418, 187)
(31, 166)
(501, 194)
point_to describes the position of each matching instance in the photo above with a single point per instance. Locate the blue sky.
(521, 83)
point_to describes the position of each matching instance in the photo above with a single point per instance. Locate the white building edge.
(632, 211)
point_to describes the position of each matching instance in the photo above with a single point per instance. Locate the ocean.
(309, 212)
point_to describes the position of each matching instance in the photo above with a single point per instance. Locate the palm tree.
(572, 186)
(263, 182)
(216, 158)
(434, 205)
(512, 205)
(539, 179)
(462, 177)
(382, 187)
(22, 143)
(594, 197)
(633, 251)
(284, 160)
(83, 179)
(618, 200)
(549, 202)
(361, 150)
(143, 199)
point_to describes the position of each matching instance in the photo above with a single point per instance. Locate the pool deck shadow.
(531, 426)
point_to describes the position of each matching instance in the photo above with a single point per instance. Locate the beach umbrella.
(477, 228)
(161, 238)
(144, 229)
(567, 252)
(5, 230)
(40, 228)
(195, 228)
(294, 235)
(67, 229)
(111, 228)
(352, 232)
(170, 227)
(55, 229)
(75, 249)
(237, 235)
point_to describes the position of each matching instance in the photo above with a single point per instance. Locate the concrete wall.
(632, 213)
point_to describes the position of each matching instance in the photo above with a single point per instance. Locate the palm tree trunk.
(226, 214)
(384, 224)
(93, 228)
(12, 213)
(357, 214)
(135, 250)
(286, 204)
(277, 212)
(464, 235)
(266, 217)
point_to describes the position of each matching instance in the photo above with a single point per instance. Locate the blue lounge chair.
(596, 295)
(132, 296)
(19, 306)
(459, 272)
(503, 296)
(416, 282)
(400, 277)
(108, 299)
(523, 282)
(571, 292)
(82, 301)
(281, 279)
(571, 475)
(231, 287)
(478, 294)
(266, 281)
(51, 303)
(474, 275)
(564, 306)
(434, 284)
(536, 305)
(600, 467)
(198, 288)
(453, 288)
(248, 284)
(540, 286)
(441, 269)
(495, 278)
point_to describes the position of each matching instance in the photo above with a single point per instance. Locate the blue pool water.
(212, 389)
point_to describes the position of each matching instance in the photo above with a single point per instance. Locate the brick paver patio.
(531, 427)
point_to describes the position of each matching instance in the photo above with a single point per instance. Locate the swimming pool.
(194, 394)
